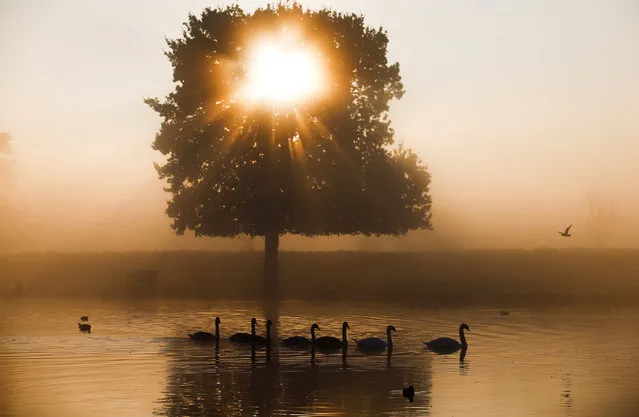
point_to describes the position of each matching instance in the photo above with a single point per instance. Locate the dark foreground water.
(138, 361)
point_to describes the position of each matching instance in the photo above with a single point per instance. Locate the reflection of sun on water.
(281, 73)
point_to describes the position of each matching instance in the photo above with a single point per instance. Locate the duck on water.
(448, 345)
(84, 327)
(206, 336)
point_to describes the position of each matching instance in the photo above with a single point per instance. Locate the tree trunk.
(271, 270)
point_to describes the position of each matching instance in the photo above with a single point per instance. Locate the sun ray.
(282, 72)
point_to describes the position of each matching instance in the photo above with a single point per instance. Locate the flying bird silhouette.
(566, 233)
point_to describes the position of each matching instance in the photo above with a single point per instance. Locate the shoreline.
(513, 278)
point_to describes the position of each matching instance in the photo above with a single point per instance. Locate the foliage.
(327, 166)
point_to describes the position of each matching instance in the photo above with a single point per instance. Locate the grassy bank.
(498, 278)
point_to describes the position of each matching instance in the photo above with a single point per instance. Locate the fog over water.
(524, 130)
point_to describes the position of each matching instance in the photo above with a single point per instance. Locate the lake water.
(138, 361)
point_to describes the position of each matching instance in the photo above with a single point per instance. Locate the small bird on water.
(566, 233)
(84, 327)
(84, 318)
(409, 392)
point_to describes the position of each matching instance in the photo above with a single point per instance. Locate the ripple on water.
(138, 361)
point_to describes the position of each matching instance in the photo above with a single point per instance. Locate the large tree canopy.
(327, 165)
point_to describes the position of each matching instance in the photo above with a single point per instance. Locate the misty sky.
(520, 108)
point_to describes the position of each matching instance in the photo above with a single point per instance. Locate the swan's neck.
(344, 335)
(253, 329)
(268, 332)
(313, 334)
(462, 338)
(217, 330)
(389, 339)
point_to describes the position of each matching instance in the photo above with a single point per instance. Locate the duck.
(409, 392)
(206, 336)
(332, 343)
(245, 337)
(84, 327)
(448, 345)
(84, 318)
(375, 343)
(301, 341)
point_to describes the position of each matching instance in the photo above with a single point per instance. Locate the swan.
(261, 340)
(301, 341)
(330, 342)
(84, 327)
(375, 343)
(206, 336)
(84, 318)
(245, 337)
(448, 345)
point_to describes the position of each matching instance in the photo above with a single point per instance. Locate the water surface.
(138, 361)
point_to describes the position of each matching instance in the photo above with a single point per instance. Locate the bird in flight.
(566, 233)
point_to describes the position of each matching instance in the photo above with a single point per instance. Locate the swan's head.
(253, 321)
(315, 327)
(390, 329)
(217, 320)
(345, 325)
(464, 326)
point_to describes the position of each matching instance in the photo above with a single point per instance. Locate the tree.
(326, 166)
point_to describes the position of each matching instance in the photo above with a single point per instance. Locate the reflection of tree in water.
(285, 383)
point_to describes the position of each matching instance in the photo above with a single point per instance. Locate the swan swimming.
(330, 342)
(301, 341)
(258, 339)
(375, 343)
(206, 336)
(245, 337)
(448, 345)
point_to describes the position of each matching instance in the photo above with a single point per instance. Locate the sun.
(283, 74)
